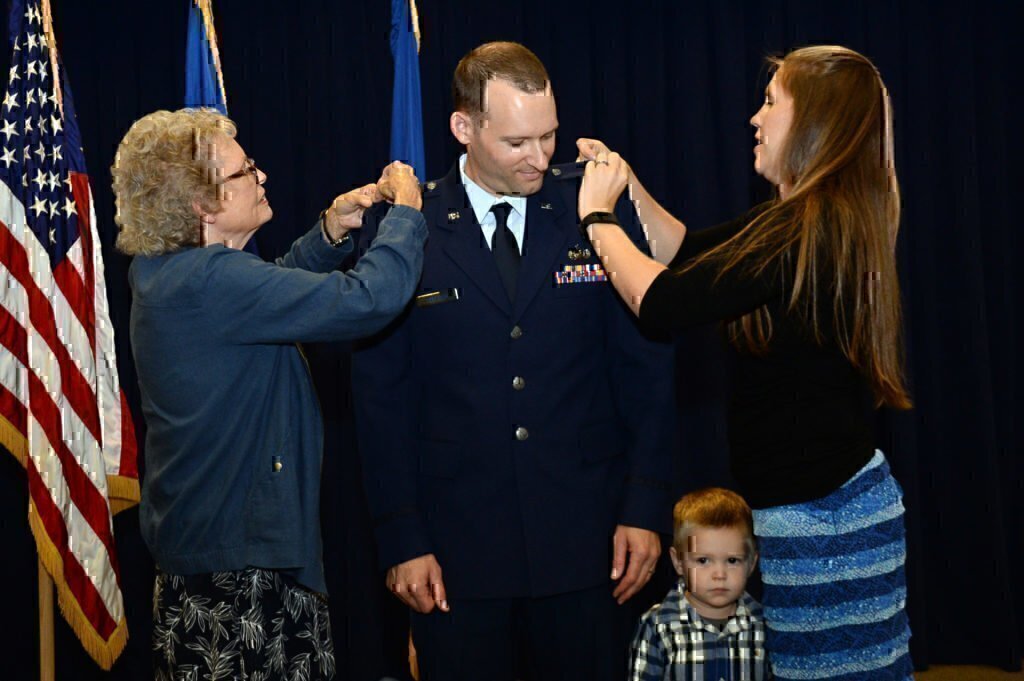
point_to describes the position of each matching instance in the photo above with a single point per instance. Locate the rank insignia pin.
(431, 185)
(546, 205)
(453, 216)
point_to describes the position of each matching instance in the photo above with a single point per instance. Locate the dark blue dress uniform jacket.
(509, 439)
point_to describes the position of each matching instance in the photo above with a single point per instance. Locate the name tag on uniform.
(580, 274)
(444, 295)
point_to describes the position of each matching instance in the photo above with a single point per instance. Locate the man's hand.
(418, 584)
(346, 211)
(399, 185)
(643, 547)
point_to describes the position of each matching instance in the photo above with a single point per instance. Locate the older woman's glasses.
(248, 169)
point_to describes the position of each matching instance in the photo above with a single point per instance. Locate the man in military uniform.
(514, 423)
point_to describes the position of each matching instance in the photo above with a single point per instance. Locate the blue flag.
(204, 84)
(406, 107)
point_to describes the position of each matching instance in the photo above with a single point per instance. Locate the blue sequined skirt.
(834, 585)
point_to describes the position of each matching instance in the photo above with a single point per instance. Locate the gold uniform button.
(278, 466)
(518, 383)
(522, 433)
(556, 171)
(517, 333)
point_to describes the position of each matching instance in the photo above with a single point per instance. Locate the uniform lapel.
(464, 243)
(546, 234)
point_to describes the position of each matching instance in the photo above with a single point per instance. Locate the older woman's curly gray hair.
(162, 167)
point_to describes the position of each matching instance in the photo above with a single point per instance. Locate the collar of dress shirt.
(482, 201)
(738, 621)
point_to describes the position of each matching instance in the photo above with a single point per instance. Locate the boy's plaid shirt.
(673, 643)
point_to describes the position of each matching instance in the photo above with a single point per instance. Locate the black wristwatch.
(599, 216)
(596, 216)
(336, 243)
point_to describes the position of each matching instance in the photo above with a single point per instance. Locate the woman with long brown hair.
(807, 286)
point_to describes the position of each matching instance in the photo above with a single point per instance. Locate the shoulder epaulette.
(430, 188)
(567, 171)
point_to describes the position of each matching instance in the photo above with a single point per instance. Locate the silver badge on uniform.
(578, 252)
(546, 205)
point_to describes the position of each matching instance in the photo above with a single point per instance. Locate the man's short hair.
(507, 61)
(711, 507)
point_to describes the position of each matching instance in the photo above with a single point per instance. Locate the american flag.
(62, 412)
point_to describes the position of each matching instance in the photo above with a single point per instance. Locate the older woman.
(230, 500)
(807, 284)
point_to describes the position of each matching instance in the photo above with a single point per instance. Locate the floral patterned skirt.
(249, 625)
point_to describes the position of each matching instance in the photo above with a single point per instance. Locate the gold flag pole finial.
(415, 23)
(51, 42)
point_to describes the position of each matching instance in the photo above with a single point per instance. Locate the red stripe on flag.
(73, 384)
(80, 189)
(81, 586)
(13, 410)
(90, 502)
(13, 336)
(79, 299)
(129, 448)
(14, 340)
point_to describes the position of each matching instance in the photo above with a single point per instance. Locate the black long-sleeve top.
(800, 418)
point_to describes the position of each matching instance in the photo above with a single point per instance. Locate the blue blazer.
(509, 439)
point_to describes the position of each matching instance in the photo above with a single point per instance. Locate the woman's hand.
(346, 211)
(399, 185)
(603, 181)
(590, 148)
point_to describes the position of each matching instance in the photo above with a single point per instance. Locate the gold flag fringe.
(122, 492)
(13, 441)
(104, 652)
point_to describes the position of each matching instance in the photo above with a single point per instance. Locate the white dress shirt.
(481, 201)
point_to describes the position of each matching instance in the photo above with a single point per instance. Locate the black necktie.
(505, 249)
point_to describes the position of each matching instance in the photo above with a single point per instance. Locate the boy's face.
(715, 568)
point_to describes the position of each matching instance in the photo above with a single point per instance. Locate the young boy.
(708, 627)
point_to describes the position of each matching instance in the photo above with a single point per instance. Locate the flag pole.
(47, 669)
(46, 666)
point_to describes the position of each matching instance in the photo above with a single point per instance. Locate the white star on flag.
(39, 206)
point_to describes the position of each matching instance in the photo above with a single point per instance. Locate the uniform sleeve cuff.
(401, 538)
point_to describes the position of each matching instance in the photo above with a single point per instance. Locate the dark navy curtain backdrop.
(671, 85)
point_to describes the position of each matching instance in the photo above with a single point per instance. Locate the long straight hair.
(838, 222)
